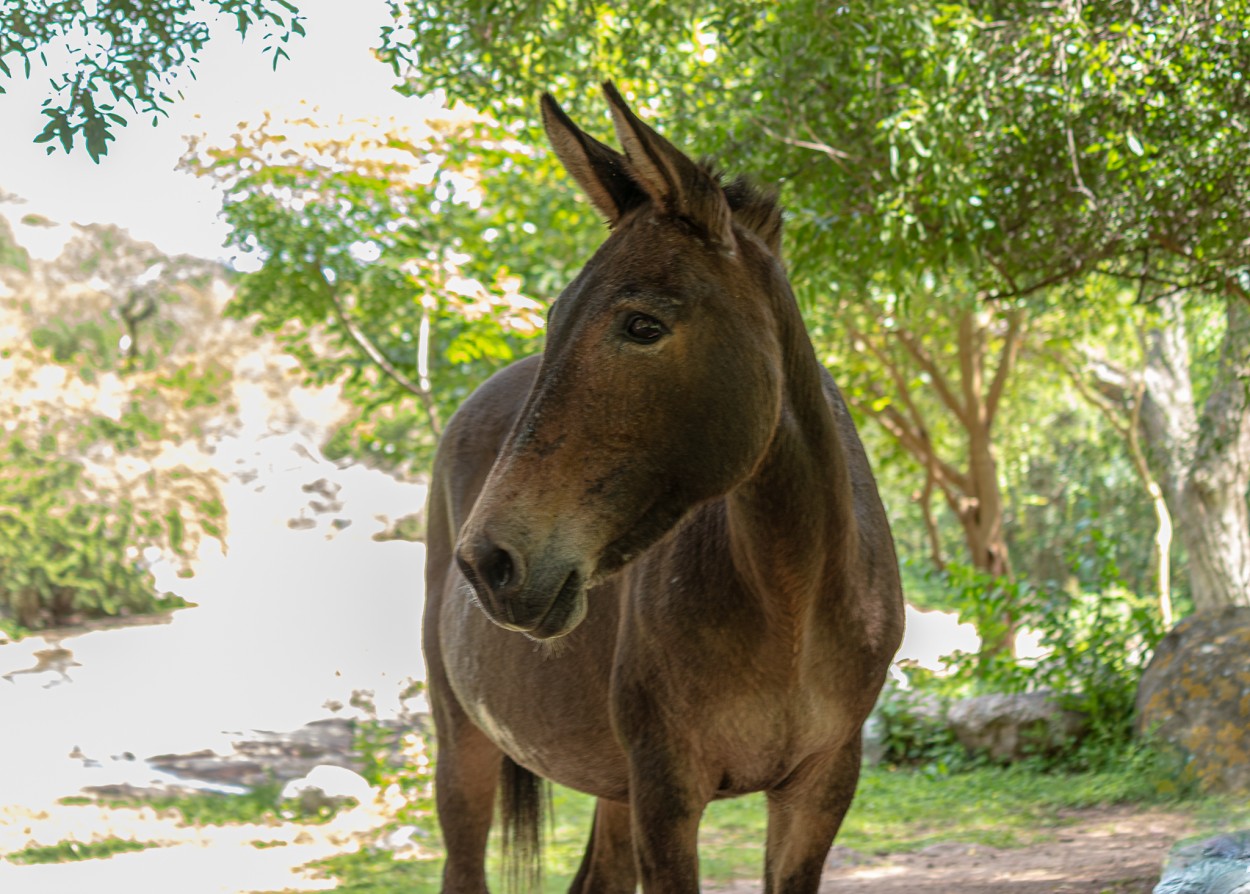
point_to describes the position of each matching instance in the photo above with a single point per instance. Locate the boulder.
(328, 786)
(1011, 727)
(1218, 865)
(1195, 696)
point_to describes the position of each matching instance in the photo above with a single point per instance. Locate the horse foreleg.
(608, 866)
(666, 807)
(804, 815)
(465, 780)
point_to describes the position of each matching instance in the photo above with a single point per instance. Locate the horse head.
(660, 386)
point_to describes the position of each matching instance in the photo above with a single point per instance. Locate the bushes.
(100, 409)
(1095, 640)
(71, 547)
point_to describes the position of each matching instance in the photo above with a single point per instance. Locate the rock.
(873, 735)
(258, 756)
(328, 786)
(1218, 865)
(1010, 727)
(1195, 696)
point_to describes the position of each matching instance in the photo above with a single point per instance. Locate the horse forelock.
(754, 207)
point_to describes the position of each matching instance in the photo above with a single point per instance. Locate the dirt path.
(1118, 850)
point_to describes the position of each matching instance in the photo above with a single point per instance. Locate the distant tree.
(122, 57)
(931, 364)
(94, 484)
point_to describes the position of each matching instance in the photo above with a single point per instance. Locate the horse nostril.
(491, 569)
(496, 568)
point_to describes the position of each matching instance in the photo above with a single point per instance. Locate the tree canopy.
(982, 200)
(1033, 144)
(114, 58)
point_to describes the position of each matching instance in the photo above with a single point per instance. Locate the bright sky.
(136, 185)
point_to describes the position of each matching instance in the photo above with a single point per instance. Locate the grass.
(263, 805)
(74, 851)
(894, 811)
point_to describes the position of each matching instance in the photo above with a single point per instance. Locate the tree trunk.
(1204, 456)
(1118, 395)
(988, 339)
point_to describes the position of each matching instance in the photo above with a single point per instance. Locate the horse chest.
(752, 708)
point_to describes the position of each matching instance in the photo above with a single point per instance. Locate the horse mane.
(753, 207)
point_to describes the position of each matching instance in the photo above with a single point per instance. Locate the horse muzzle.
(542, 599)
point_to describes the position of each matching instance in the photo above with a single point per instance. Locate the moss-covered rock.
(1195, 695)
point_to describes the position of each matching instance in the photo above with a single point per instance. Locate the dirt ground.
(1103, 851)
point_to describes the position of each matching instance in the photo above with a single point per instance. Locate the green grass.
(262, 805)
(73, 851)
(894, 811)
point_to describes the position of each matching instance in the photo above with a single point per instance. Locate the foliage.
(1095, 638)
(112, 55)
(11, 254)
(399, 763)
(262, 804)
(1028, 144)
(93, 488)
(397, 261)
(74, 851)
(913, 724)
(64, 556)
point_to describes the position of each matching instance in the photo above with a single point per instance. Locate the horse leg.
(804, 815)
(608, 866)
(465, 780)
(667, 804)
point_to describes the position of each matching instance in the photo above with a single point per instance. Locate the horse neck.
(792, 522)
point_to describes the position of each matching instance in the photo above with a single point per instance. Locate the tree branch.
(936, 377)
(836, 155)
(375, 354)
(1006, 362)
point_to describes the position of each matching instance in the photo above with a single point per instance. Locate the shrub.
(1097, 639)
(72, 548)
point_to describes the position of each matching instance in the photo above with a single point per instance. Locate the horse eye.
(643, 329)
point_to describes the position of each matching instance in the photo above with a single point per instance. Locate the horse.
(658, 569)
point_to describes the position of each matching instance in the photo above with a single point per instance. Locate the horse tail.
(522, 804)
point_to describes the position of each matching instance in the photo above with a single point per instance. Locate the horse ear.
(599, 170)
(674, 182)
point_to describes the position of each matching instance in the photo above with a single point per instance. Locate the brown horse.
(659, 570)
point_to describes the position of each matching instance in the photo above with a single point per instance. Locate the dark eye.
(643, 329)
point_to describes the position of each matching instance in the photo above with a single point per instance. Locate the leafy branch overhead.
(1034, 143)
(395, 260)
(113, 59)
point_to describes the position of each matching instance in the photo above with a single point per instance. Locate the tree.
(94, 483)
(120, 55)
(1201, 445)
(1026, 146)
(398, 260)
(931, 366)
(1116, 387)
